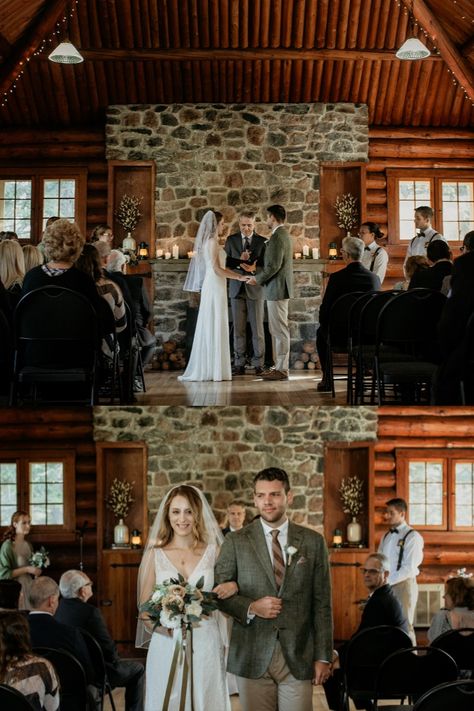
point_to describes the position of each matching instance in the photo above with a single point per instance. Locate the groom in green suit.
(282, 632)
(276, 277)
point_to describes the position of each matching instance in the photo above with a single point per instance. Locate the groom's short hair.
(273, 474)
(279, 213)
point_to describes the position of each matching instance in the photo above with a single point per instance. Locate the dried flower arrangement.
(352, 495)
(128, 213)
(347, 212)
(120, 497)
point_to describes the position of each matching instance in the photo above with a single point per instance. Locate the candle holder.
(136, 539)
(143, 250)
(333, 250)
(336, 539)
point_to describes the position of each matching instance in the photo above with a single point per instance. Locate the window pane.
(7, 473)
(15, 206)
(449, 191)
(50, 207)
(68, 188)
(452, 232)
(410, 194)
(51, 188)
(8, 492)
(425, 486)
(407, 229)
(54, 515)
(37, 471)
(47, 492)
(422, 191)
(457, 207)
(66, 208)
(37, 493)
(464, 493)
(450, 211)
(466, 191)
(37, 515)
(406, 190)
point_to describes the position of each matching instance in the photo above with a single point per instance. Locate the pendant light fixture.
(66, 53)
(412, 48)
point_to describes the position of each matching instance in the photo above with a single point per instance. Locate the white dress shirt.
(282, 537)
(380, 261)
(417, 246)
(412, 554)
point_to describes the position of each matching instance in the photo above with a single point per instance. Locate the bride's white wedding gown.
(209, 675)
(210, 354)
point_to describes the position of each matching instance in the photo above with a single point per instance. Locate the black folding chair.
(453, 696)
(407, 328)
(56, 342)
(364, 654)
(13, 700)
(466, 382)
(6, 353)
(72, 678)
(460, 645)
(338, 337)
(98, 663)
(410, 673)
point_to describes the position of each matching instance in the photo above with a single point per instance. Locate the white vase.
(121, 533)
(354, 531)
(129, 242)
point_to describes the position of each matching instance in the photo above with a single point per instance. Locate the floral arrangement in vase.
(347, 212)
(351, 492)
(128, 215)
(120, 497)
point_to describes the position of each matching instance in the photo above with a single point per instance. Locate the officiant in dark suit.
(246, 300)
(282, 632)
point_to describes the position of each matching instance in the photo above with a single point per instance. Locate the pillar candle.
(315, 253)
(175, 251)
(159, 253)
(167, 255)
(305, 250)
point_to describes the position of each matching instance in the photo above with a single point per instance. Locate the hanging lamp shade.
(413, 49)
(66, 53)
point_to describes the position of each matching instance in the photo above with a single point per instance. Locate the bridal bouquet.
(40, 559)
(175, 603)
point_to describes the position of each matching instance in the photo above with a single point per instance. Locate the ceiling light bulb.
(66, 53)
(413, 49)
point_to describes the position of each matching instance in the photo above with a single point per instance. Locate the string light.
(57, 32)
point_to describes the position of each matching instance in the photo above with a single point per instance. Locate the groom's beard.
(275, 516)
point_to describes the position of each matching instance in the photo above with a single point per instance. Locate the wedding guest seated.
(410, 267)
(354, 277)
(7, 234)
(102, 233)
(236, 513)
(63, 243)
(381, 608)
(467, 246)
(20, 668)
(459, 608)
(136, 296)
(76, 590)
(33, 256)
(440, 258)
(12, 270)
(89, 262)
(47, 631)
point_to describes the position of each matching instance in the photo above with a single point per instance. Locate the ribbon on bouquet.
(186, 646)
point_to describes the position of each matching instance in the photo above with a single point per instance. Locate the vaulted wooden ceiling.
(236, 51)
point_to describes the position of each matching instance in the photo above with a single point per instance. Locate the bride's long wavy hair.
(166, 533)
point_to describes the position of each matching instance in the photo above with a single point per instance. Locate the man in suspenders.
(425, 232)
(403, 547)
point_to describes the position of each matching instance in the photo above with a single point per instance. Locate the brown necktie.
(278, 561)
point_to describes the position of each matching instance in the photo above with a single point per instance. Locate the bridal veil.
(197, 268)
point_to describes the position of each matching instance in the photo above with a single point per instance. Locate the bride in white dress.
(184, 539)
(210, 354)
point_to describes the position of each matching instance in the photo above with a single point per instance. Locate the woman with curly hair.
(15, 554)
(20, 668)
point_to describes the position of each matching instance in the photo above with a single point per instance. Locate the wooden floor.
(164, 388)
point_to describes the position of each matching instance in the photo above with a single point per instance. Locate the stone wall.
(231, 157)
(222, 448)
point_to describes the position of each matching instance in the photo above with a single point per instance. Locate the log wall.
(61, 429)
(431, 428)
(84, 147)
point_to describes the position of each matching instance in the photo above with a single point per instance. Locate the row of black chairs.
(381, 664)
(389, 340)
(55, 341)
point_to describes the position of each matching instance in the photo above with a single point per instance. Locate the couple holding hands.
(258, 270)
(271, 577)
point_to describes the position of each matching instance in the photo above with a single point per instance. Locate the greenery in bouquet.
(131, 256)
(128, 213)
(347, 212)
(120, 497)
(351, 492)
(40, 559)
(175, 603)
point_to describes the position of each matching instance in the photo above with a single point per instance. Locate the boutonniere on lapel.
(290, 552)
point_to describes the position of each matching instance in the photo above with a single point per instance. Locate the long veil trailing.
(146, 573)
(197, 268)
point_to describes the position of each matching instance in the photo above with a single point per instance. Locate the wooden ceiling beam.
(40, 27)
(5, 47)
(184, 54)
(467, 50)
(452, 57)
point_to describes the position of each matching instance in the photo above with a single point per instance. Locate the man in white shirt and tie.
(425, 232)
(403, 547)
(246, 300)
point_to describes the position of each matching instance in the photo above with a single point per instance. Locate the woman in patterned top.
(20, 668)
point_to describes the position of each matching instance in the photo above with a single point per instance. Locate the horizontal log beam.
(395, 133)
(20, 136)
(243, 55)
(411, 148)
(385, 481)
(65, 432)
(29, 415)
(388, 444)
(426, 411)
(430, 427)
(454, 164)
(65, 151)
(384, 464)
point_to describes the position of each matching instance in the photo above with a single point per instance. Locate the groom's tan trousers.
(280, 332)
(276, 689)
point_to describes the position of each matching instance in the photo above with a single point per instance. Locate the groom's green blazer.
(304, 626)
(276, 276)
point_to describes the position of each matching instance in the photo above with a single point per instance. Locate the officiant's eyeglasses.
(371, 571)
